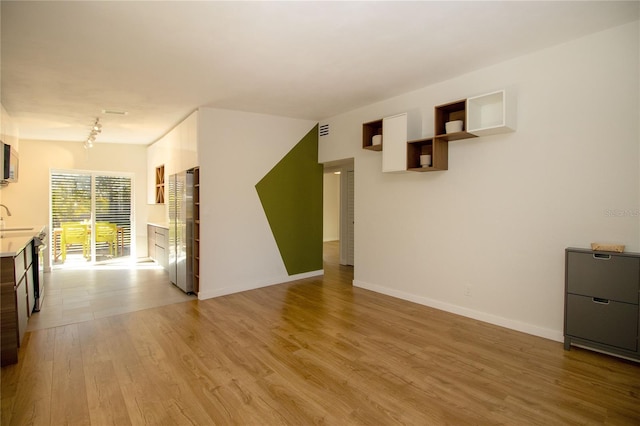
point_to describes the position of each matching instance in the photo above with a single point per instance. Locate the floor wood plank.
(314, 351)
(69, 404)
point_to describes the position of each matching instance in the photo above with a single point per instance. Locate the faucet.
(6, 208)
(2, 218)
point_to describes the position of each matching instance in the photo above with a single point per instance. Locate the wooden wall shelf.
(437, 148)
(160, 184)
(487, 114)
(449, 112)
(491, 114)
(196, 229)
(369, 130)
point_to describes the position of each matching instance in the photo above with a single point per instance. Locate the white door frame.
(344, 166)
(347, 224)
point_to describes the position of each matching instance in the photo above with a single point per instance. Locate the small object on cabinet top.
(618, 248)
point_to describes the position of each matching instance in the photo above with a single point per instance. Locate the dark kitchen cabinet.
(16, 301)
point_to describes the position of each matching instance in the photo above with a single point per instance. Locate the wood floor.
(315, 351)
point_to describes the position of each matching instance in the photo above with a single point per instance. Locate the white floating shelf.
(490, 114)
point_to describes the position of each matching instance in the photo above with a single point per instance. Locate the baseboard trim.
(546, 333)
(203, 295)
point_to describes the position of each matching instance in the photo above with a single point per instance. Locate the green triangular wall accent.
(291, 196)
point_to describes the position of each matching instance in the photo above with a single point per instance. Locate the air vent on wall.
(324, 129)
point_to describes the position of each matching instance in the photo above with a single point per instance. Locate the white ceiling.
(63, 63)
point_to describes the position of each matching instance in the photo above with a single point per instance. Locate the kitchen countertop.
(159, 225)
(12, 242)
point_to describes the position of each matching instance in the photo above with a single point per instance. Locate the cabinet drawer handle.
(601, 256)
(600, 301)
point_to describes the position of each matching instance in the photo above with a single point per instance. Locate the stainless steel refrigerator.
(181, 230)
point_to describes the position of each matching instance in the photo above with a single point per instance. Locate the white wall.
(28, 199)
(331, 207)
(235, 151)
(498, 221)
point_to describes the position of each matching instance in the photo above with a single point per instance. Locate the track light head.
(96, 129)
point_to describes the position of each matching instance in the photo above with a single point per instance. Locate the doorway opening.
(91, 218)
(338, 209)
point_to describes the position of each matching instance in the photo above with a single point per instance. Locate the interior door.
(350, 220)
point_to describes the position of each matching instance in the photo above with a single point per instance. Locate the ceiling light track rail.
(96, 129)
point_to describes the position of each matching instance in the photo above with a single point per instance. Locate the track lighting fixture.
(96, 129)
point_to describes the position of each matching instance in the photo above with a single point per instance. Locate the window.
(88, 199)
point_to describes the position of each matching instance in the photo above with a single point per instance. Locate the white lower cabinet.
(158, 244)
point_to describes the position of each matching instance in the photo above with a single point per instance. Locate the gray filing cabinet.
(602, 301)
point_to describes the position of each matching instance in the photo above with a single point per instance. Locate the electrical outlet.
(467, 290)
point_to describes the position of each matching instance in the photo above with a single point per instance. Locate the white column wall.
(235, 151)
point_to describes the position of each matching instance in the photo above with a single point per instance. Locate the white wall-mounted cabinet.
(156, 157)
(396, 130)
(394, 135)
(491, 113)
(172, 146)
(188, 157)
(176, 151)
